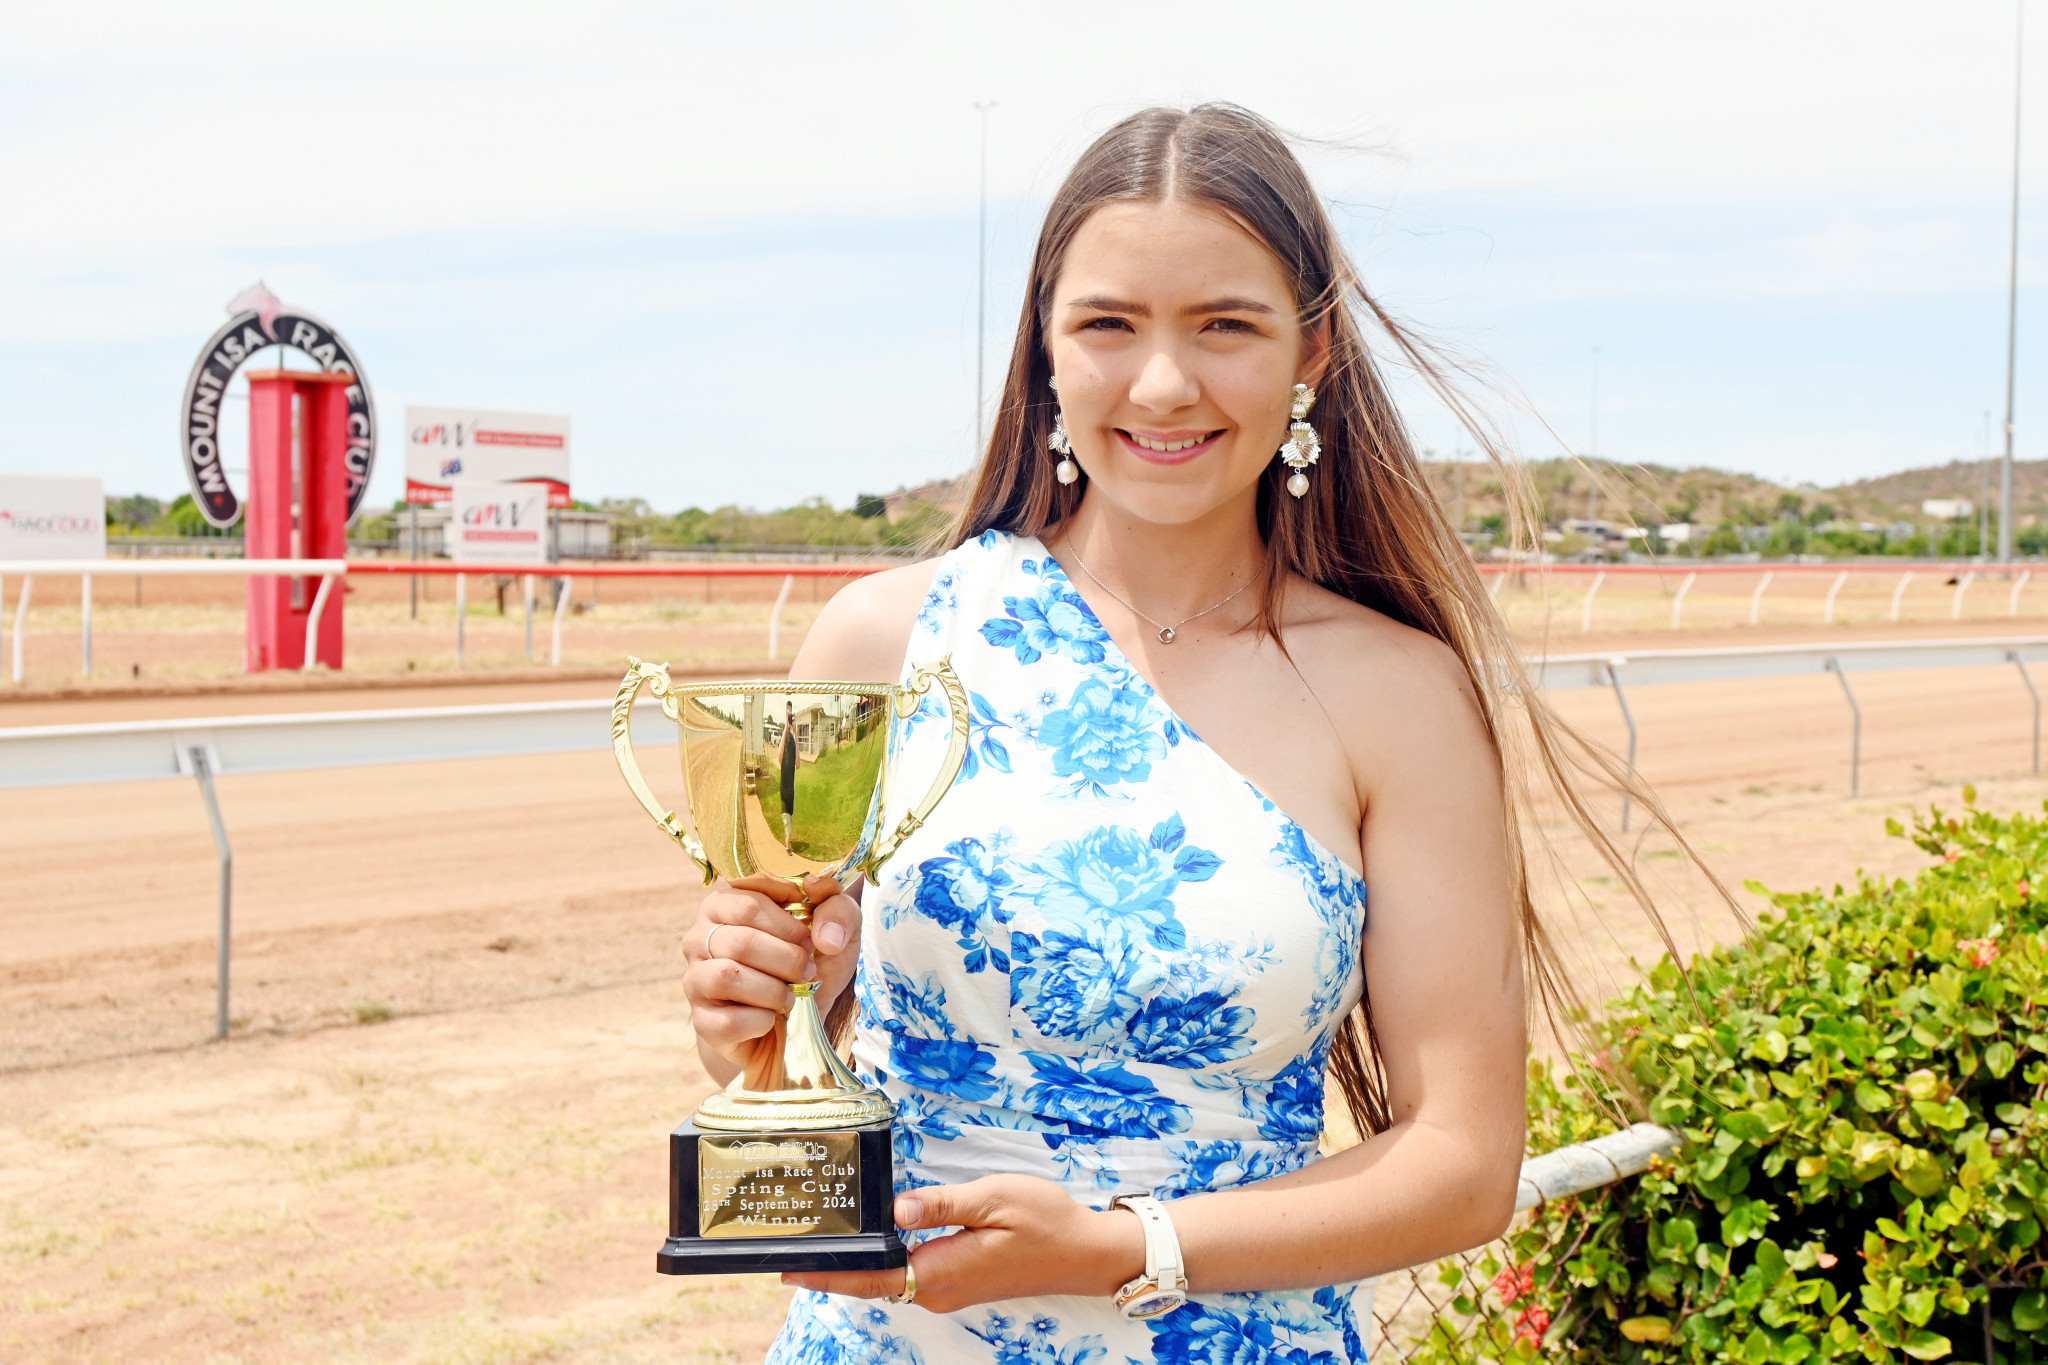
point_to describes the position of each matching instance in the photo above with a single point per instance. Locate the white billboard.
(499, 523)
(444, 446)
(52, 516)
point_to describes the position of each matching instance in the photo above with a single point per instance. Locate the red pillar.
(297, 509)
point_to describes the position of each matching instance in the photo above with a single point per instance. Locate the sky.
(737, 243)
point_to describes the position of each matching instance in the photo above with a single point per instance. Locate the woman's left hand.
(1019, 1236)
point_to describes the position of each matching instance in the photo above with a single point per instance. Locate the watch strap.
(1164, 1269)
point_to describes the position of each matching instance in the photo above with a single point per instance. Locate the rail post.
(1828, 617)
(461, 618)
(2035, 695)
(1856, 732)
(28, 582)
(1756, 599)
(1900, 592)
(2012, 605)
(1678, 602)
(1498, 579)
(85, 624)
(202, 768)
(775, 617)
(313, 622)
(1614, 676)
(564, 589)
(1586, 615)
(529, 618)
(1955, 610)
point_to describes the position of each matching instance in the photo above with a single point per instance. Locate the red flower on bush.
(1531, 1326)
(1514, 1282)
(1979, 952)
(2026, 890)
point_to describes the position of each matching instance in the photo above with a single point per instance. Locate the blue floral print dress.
(1107, 961)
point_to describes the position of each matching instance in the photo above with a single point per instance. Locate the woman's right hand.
(744, 952)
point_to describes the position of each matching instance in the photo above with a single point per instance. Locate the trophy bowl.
(790, 1166)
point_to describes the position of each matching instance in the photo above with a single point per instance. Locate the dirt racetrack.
(438, 1134)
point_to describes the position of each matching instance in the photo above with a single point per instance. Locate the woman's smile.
(1167, 447)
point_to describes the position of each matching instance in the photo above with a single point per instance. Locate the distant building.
(580, 535)
(1675, 532)
(1947, 509)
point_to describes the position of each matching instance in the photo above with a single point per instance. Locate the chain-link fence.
(1483, 1305)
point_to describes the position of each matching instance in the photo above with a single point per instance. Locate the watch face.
(1156, 1303)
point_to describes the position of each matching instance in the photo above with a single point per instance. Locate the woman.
(1219, 693)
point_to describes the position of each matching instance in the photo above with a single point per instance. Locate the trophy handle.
(654, 675)
(907, 699)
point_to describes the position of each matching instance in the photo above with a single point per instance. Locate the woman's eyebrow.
(1227, 306)
(1103, 303)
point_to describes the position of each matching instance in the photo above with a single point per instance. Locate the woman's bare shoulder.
(1389, 688)
(863, 632)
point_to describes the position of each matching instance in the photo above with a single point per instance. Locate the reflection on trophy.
(789, 1168)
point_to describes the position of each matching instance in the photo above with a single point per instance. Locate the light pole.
(981, 292)
(2012, 290)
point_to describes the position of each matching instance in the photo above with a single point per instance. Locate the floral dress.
(1107, 961)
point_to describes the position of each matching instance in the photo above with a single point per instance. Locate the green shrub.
(1861, 1086)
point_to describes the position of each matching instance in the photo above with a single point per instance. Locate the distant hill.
(1652, 494)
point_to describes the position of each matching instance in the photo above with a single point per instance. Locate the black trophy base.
(743, 1187)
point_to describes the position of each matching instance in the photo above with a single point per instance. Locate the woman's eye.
(1106, 324)
(1230, 325)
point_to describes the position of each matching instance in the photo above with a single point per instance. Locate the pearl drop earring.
(1066, 471)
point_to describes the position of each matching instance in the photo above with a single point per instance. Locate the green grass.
(832, 797)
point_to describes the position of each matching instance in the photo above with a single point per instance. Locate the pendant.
(1166, 635)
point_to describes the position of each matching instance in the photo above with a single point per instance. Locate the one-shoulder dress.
(1108, 961)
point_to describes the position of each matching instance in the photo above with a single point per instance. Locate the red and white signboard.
(499, 523)
(52, 516)
(446, 446)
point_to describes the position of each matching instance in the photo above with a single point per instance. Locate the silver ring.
(713, 934)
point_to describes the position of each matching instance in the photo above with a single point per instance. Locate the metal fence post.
(1856, 734)
(1756, 599)
(202, 768)
(2012, 605)
(1955, 610)
(313, 616)
(775, 617)
(1678, 602)
(461, 617)
(2027, 678)
(1614, 676)
(564, 590)
(1586, 616)
(1828, 618)
(28, 581)
(1900, 592)
(85, 624)
(529, 618)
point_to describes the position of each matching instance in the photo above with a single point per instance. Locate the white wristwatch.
(1164, 1285)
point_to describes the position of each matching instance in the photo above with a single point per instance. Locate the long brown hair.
(1370, 529)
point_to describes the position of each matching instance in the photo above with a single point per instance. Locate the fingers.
(781, 890)
(854, 1284)
(971, 1205)
(746, 927)
(727, 981)
(835, 924)
(731, 1029)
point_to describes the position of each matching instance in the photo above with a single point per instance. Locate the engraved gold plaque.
(795, 1185)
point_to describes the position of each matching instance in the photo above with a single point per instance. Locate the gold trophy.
(789, 1168)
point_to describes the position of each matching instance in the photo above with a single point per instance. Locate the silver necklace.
(1167, 633)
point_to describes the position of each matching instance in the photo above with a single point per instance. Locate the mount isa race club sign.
(449, 446)
(257, 321)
